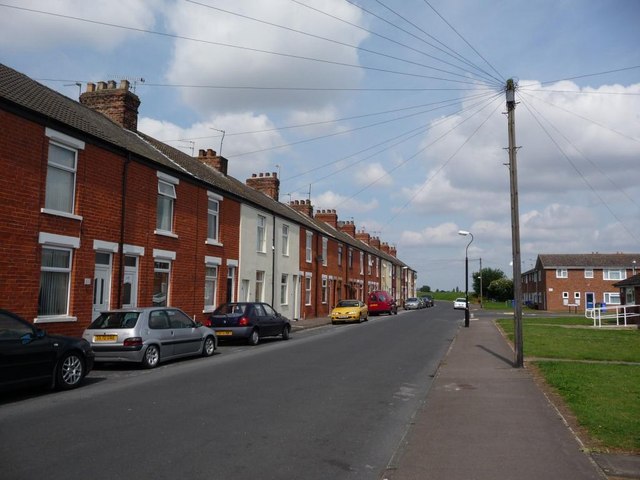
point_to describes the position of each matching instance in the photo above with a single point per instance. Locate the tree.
(488, 276)
(501, 289)
(425, 289)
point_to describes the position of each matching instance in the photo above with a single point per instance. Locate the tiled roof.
(20, 92)
(589, 260)
(633, 281)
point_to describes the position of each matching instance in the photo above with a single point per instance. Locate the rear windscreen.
(116, 320)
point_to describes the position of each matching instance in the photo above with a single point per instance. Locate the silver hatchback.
(148, 335)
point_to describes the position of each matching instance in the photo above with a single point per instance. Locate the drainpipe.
(122, 219)
(273, 263)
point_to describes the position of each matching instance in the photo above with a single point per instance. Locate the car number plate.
(374, 305)
(343, 317)
(224, 333)
(105, 338)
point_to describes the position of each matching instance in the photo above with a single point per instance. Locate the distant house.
(559, 282)
(629, 290)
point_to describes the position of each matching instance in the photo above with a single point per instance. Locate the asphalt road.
(331, 403)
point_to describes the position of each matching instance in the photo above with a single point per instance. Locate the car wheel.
(254, 338)
(151, 357)
(286, 332)
(209, 347)
(70, 371)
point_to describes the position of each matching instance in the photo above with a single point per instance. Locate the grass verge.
(596, 372)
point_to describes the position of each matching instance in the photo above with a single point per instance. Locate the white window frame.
(588, 273)
(260, 276)
(309, 247)
(565, 295)
(285, 240)
(340, 249)
(166, 193)
(64, 315)
(213, 216)
(361, 263)
(325, 251)
(562, 273)
(261, 234)
(163, 263)
(608, 296)
(284, 289)
(210, 287)
(324, 289)
(614, 274)
(307, 289)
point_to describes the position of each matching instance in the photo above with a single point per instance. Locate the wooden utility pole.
(515, 225)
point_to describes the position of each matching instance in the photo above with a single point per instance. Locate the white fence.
(620, 313)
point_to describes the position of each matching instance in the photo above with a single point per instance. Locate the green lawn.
(597, 374)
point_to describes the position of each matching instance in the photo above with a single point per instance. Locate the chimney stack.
(302, 206)
(329, 217)
(119, 104)
(384, 247)
(363, 236)
(213, 160)
(348, 227)
(375, 242)
(266, 183)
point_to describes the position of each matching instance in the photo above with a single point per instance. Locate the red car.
(381, 302)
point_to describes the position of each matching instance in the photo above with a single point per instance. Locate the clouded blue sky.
(390, 111)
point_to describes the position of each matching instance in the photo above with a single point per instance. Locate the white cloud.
(204, 63)
(343, 204)
(50, 32)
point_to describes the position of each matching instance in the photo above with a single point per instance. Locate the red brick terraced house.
(562, 282)
(94, 214)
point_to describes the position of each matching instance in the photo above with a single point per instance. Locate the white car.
(460, 304)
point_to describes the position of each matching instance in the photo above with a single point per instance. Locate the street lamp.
(464, 233)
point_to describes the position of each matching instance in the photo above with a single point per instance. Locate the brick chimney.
(302, 206)
(119, 104)
(328, 216)
(213, 160)
(266, 183)
(348, 228)
(363, 236)
(393, 252)
(375, 242)
(384, 247)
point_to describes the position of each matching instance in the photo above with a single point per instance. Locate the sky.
(392, 112)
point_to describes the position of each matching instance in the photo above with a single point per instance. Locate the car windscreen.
(116, 320)
(347, 303)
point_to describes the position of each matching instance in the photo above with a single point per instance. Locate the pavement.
(483, 419)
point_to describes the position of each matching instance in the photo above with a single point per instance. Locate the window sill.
(58, 213)
(211, 241)
(56, 319)
(165, 233)
(208, 310)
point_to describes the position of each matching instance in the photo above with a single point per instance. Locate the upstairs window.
(325, 243)
(213, 217)
(588, 273)
(613, 274)
(261, 234)
(61, 178)
(166, 201)
(340, 255)
(308, 249)
(562, 273)
(285, 240)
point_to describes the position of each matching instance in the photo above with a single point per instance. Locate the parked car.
(413, 303)
(428, 301)
(460, 304)
(148, 335)
(29, 356)
(349, 311)
(248, 320)
(381, 302)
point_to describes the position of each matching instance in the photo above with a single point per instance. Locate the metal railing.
(620, 313)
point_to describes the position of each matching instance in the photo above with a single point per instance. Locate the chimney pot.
(111, 84)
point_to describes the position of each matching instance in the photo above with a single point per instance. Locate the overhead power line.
(238, 47)
(326, 39)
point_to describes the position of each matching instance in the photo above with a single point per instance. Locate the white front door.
(130, 282)
(101, 284)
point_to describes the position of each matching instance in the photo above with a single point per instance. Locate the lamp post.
(464, 233)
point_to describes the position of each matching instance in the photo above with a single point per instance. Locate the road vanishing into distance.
(332, 402)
